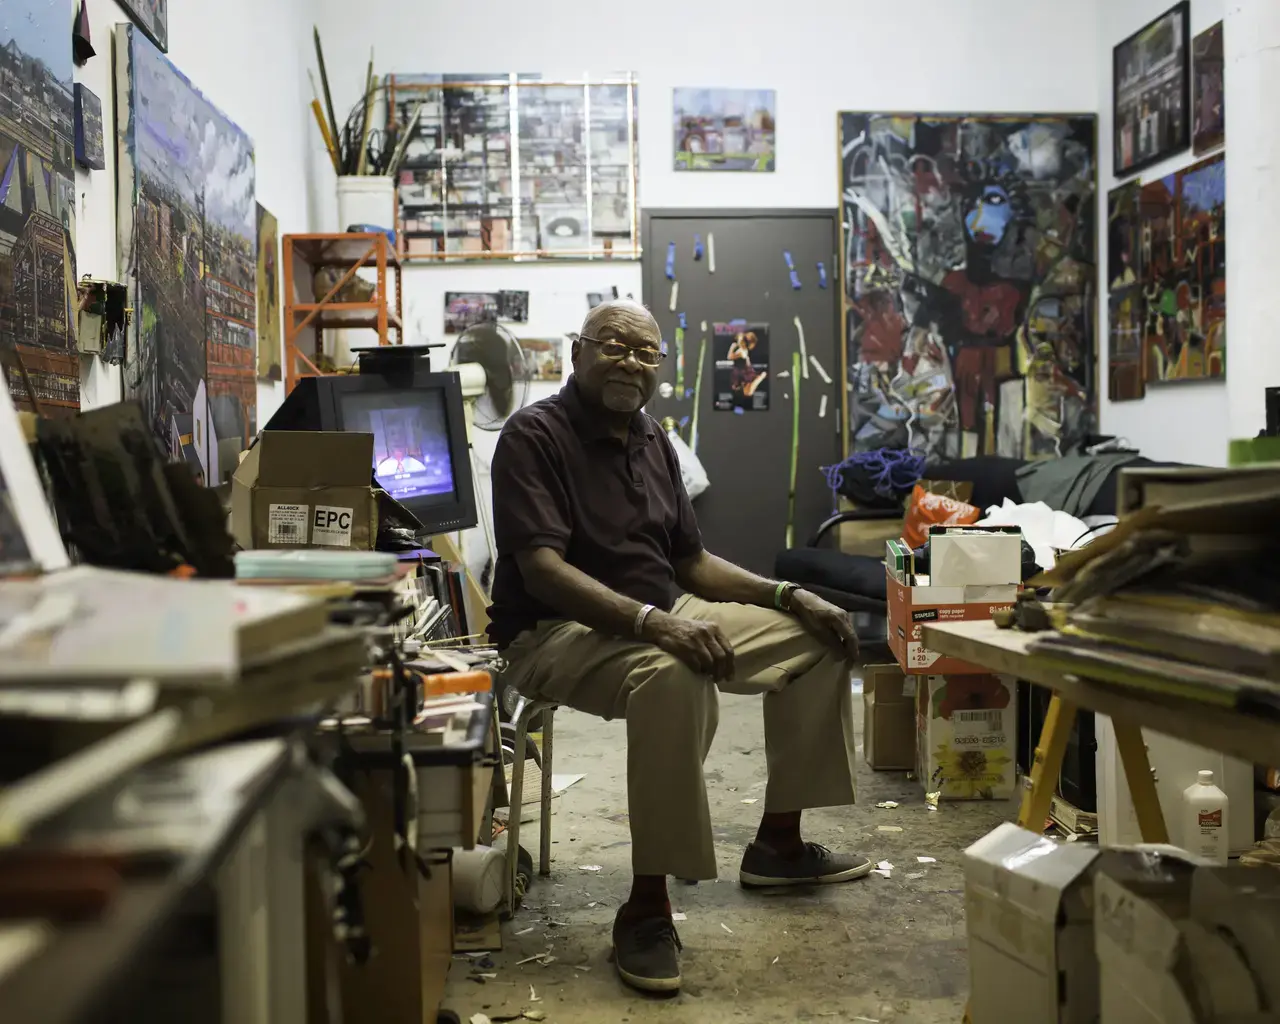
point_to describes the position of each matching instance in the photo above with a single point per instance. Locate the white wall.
(1186, 422)
(250, 58)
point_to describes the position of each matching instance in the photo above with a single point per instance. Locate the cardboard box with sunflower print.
(966, 736)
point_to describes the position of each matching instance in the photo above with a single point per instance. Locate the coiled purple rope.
(892, 471)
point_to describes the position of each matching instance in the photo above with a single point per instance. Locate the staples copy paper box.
(911, 607)
(305, 489)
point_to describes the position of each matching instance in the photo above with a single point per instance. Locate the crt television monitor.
(420, 451)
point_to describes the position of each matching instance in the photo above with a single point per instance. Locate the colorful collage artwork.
(969, 282)
(37, 208)
(188, 232)
(1183, 225)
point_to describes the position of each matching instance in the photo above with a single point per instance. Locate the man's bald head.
(622, 320)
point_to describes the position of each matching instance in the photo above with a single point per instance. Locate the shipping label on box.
(911, 608)
(966, 736)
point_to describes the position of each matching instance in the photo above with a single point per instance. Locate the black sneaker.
(763, 866)
(647, 953)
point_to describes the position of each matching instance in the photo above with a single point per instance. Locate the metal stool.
(524, 712)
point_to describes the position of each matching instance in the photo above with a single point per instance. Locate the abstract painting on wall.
(270, 357)
(188, 240)
(37, 208)
(1152, 91)
(1184, 266)
(724, 129)
(89, 147)
(1208, 109)
(1125, 378)
(152, 16)
(969, 282)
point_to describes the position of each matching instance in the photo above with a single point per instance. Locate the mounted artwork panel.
(152, 16)
(1125, 378)
(1152, 92)
(270, 358)
(506, 166)
(969, 282)
(724, 129)
(188, 237)
(1208, 121)
(89, 146)
(37, 208)
(1184, 232)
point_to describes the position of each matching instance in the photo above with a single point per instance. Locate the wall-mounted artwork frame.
(515, 167)
(152, 16)
(1151, 92)
(724, 129)
(1126, 380)
(968, 282)
(89, 145)
(1209, 120)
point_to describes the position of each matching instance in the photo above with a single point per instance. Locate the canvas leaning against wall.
(270, 357)
(1184, 231)
(969, 282)
(724, 129)
(188, 240)
(37, 208)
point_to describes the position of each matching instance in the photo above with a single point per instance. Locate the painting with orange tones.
(1184, 260)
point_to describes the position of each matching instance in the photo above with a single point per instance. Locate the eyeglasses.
(618, 351)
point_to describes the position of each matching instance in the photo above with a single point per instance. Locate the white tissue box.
(971, 556)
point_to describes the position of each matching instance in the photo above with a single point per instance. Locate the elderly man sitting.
(595, 533)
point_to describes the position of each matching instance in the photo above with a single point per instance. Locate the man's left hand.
(832, 625)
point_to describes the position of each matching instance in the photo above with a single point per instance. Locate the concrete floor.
(890, 950)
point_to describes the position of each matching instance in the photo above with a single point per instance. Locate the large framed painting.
(37, 208)
(969, 282)
(188, 236)
(152, 16)
(1184, 234)
(1152, 92)
(1125, 378)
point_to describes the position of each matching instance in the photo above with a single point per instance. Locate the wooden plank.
(1244, 736)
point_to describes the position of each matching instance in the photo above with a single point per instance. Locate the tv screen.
(411, 457)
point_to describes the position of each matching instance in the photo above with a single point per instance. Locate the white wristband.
(641, 615)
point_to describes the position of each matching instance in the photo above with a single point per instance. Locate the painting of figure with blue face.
(969, 273)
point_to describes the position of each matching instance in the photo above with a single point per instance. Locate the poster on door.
(741, 351)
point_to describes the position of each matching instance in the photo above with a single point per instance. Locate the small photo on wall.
(463, 309)
(1209, 122)
(544, 357)
(724, 129)
(741, 351)
(89, 148)
(1152, 91)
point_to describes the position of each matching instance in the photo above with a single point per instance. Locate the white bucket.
(366, 199)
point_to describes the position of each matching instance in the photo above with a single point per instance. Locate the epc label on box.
(331, 526)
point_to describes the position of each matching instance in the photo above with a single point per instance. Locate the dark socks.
(648, 898)
(781, 832)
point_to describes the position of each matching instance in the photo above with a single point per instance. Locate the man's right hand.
(700, 645)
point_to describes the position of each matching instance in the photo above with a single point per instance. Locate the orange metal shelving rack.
(383, 314)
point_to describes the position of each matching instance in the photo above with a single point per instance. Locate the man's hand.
(700, 645)
(830, 624)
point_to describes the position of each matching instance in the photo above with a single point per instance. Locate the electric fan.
(494, 374)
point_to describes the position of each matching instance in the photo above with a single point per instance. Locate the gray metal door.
(747, 455)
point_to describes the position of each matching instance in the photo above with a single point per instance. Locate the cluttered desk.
(242, 772)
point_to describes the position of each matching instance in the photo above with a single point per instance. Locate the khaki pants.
(672, 711)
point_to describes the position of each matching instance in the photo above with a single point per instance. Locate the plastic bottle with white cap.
(1205, 819)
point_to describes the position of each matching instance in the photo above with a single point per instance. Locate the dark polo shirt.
(618, 512)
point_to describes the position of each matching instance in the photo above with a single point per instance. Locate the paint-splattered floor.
(890, 950)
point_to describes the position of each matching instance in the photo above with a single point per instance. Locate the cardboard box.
(975, 556)
(1244, 903)
(299, 489)
(910, 607)
(888, 718)
(966, 736)
(1141, 904)
(1029, 910)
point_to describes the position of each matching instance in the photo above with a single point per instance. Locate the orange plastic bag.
(928, 510)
